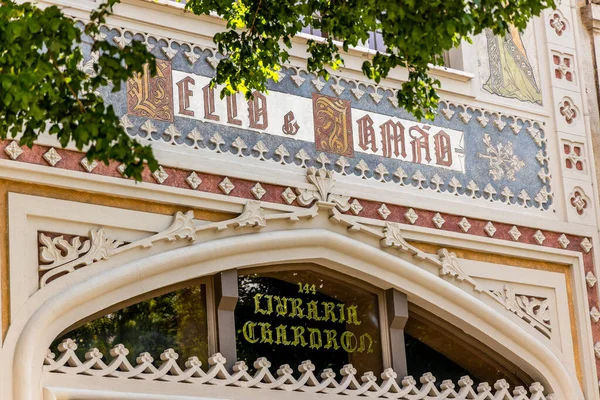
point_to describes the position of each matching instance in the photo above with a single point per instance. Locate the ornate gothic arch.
(322, 234)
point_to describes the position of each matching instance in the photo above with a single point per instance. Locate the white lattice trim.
(366, 385)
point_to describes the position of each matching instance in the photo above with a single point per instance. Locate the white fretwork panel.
(563, 68)
(578, 201)
(568, 110)
(574, 157)
(559, 26)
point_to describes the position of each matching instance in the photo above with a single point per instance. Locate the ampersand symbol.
(290, 126)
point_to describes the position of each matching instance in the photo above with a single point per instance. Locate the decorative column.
(397, 314)
(226, 298)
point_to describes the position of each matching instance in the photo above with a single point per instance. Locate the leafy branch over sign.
(46, 85)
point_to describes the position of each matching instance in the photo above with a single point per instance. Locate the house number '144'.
(306, 288)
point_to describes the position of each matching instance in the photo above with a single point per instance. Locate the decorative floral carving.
(64, 257)
(193, 180)
(595, 314)
(52, 157)
(451, 267)
(383, 211)
(464, 225)
(13, 150)
(563, 66)
(56, 251)
(558, 23)
(438, 220)
(356, 207)
(568, 110)
(393, 238)
(503, 162)
(226, 185)
(88, 166)
(253, 215)
(574, 158)
(586, 245)
(531, 309)
(282, 379)
(160, 175)
(323, 181)
(258, 191)
(411, 216)
(590, 279)
(579, 200)
(563, 241)
(100, 248)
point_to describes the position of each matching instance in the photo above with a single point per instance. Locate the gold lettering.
(269, 303)
(281, 335)
(298, 336)
(342, 313)
(363, 338)
(331, 339)
(281, 307)
(329, 308)
(347, 343)
(266, 335)
(312, 311)
(297, 310)
(257, 309)
(248, 331)
(353, 315)
(315, 338)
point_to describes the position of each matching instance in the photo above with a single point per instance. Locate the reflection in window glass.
(292, 316)
(175, 320)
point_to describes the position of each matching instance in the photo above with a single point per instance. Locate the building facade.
(315, 241)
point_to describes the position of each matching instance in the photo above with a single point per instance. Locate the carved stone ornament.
(59, 256)
(277, 379)
(450, 267)
(324, 182)
(532, 309)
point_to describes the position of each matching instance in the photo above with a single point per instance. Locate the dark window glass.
(292, 316)
(421, 359)
(449, 353)
(176, 320)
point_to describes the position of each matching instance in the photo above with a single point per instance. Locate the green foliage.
(43, 90)
(176, 320)
(416, 33)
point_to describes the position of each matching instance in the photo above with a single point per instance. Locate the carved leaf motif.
(323, 181)
(182, 227)
(253, 215)
(531, 309)
(57, 251)
(451, 267)
(101, 248)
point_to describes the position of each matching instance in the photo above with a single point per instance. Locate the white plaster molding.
(283, 379)
(160, 268)
(530, 309)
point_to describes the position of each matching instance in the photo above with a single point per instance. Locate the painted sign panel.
(352, 127)
(330, 123)
(293, 315)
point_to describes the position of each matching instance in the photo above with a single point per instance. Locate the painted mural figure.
(511, 73)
